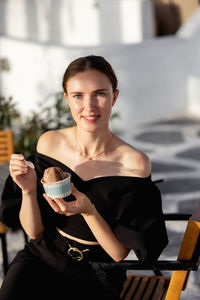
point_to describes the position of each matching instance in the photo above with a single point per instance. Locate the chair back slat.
(187, 250)
(176, 285)
(144, 287)
(6, 145)
(189, 241)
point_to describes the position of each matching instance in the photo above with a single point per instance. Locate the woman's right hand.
(22, 174)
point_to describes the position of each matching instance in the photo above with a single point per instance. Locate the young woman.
(114, 206)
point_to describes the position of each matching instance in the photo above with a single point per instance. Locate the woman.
(114, 206)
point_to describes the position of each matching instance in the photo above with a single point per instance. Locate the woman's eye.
(77, 96)
(101, 94)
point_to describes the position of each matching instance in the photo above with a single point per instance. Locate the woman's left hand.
(82, 204)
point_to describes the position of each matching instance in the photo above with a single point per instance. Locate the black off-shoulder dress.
(130, 205)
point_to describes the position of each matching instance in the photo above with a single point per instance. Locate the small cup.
(58, 189)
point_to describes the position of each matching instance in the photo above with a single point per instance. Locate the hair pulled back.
(90, 62)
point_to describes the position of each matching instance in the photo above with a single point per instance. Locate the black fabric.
(52, 249)
(132, 206)
(44, 270)
(29, 278)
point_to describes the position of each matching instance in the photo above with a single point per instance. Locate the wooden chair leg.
(4, 252)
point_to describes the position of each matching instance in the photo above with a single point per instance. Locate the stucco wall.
(157, 78)
(77, 22)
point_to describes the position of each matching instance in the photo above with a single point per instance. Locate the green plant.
(8, 113)
(54, 114)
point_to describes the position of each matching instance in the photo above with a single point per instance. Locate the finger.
(74, 190)
(18, 167)
(72, 204)
(17, 173)
(18, 162)
(61, 203)
(17, 156)
(72, 187)
(29, 164)
(15, 164)
(68, 208)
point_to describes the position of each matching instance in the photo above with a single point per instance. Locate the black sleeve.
(10, 204)
(139, 223)
(11, 199)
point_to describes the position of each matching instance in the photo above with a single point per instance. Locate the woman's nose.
(89, 102)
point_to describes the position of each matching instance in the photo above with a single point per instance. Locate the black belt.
(82, 252)
(76, 253)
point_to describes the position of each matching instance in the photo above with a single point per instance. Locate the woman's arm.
(30, 216)
(99, 227)
(25, 177)
(105, 236)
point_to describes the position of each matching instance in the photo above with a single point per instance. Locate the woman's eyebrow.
(76, 92)
(101, 90)
(95, 91)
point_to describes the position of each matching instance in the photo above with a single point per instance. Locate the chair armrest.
(176, 217)
(167, 265)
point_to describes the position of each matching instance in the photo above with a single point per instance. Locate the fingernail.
(30, 164)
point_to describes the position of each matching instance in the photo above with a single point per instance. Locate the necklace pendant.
(89, 158)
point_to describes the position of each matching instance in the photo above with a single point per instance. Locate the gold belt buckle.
(75, 253)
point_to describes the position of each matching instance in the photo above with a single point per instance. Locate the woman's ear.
(116, 94)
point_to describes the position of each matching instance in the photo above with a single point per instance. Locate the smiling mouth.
(91, 118)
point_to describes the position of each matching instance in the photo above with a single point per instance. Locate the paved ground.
(174, 148)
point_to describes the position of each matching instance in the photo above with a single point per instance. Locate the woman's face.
(90, 97)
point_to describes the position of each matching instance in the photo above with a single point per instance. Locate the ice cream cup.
(58, 189)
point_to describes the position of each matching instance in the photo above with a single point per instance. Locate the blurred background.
(153, 46)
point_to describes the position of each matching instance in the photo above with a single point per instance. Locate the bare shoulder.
(133, 160)
(45, 140)
(51, 140)
(138, 160)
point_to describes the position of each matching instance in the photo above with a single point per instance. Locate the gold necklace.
(96, 155)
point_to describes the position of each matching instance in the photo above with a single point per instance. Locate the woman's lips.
(90, 118)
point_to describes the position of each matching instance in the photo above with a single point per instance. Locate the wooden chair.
(6, 145)
(6, 149)
(157, 286)
(165, 287)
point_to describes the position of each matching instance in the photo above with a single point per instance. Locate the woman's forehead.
(90, 78)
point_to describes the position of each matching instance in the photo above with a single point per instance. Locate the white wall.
(157, 78)
(152, 76)
(77, 22)
(126, 21)
(191, 33)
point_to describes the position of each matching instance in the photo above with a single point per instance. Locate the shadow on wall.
(44, 20)
(112, 24)
(32, 12)
(168, 18)
(170, 15)
(52, 18)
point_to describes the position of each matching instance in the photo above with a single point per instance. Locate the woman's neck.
(90, 145)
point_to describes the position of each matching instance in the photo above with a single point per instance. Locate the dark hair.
(90, 62)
